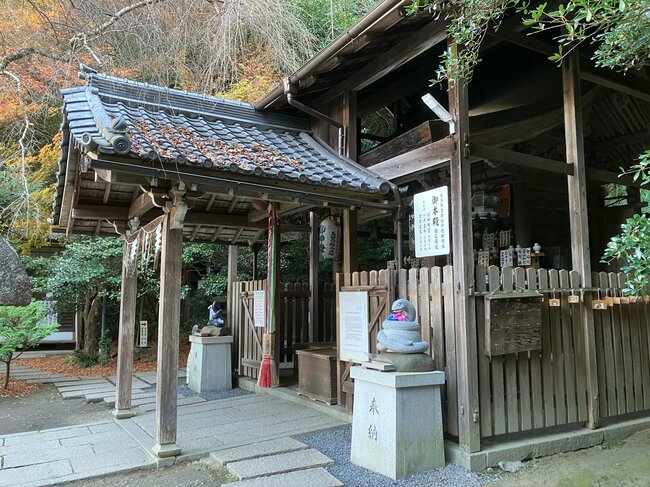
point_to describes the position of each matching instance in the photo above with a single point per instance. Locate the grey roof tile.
(202, 131)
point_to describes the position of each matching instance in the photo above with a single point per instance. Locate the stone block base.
(397, 422)
(209, 364)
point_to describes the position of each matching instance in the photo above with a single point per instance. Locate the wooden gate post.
(469, 437)
(313, 331)
(579, 221)
(168, 325)
(350, 247)
(233, 252)
(126, 337)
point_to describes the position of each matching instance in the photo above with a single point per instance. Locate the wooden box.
(317, 374)
(513, 322)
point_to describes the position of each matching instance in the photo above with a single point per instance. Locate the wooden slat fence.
(533, 389)
(292, 327)
(622, 348)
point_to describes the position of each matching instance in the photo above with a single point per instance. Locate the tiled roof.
(150, 123)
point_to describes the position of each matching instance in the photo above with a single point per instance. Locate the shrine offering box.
(317, 374)
(513, 322)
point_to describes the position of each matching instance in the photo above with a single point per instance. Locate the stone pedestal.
(397, 421)
(209, 364)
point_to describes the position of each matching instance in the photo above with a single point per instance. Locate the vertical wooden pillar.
(168, 324)
(350, 248)
(233, 252)
(349, 121)
(579, 220)
(463, 262)
(313, 333)
(126, 337)
(280, 331)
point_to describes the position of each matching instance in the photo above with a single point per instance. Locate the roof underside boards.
(126, 134)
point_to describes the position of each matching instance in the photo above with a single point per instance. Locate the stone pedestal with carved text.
(397, 421)
(209, 364)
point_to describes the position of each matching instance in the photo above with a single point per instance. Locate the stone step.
(110, 400)
(256, 450)
(99, 396)
(313, 477)
(82, 393)
(276, 464)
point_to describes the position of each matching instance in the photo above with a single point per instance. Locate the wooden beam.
(521, 159)
(579, 221)
(107, 193)
(411, 47)
(391, 92)
(125, 341)
(595, 174)
(95, 212)
(639, 137)
(168, 329)
(350, 247)
(314, 254)
(416, 161)
(469, 434)
(220, 220)
(629, 84)
(425, 133)
(141, 205)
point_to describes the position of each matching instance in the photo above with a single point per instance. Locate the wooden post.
(349, 121)
(579, 220)
(350, 248)
(469, 437)
(233, 252)
(314, 254)
(168, 324)
(126, 338)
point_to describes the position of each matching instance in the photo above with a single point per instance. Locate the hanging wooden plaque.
(513, 322)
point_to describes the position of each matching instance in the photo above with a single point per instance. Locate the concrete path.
(59, 455)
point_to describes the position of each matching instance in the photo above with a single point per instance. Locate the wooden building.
(547, 141)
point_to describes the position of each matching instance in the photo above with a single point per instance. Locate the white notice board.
(353, 326)
(259, 308)
(431, 210)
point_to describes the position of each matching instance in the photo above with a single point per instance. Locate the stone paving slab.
(313, 477)
(44, 380)
(182, 401)
(284, 462)
(82, 384)
(258, 449)
(38, 474)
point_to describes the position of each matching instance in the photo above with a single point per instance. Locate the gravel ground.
(336, 445)
(211, 396)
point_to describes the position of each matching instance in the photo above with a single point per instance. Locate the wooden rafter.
(629, 84)
(426, 37)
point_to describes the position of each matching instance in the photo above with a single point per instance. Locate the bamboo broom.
(268, 376)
